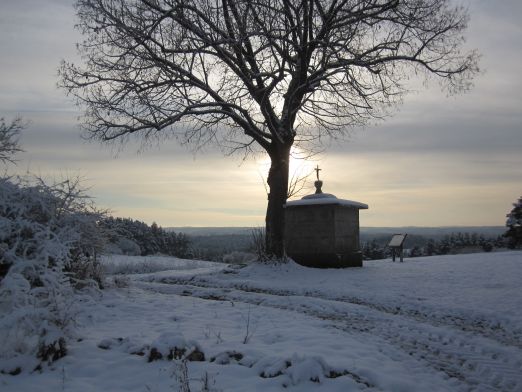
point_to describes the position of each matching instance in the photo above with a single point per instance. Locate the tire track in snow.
(477, 326)
(476, 361)
(460, 356)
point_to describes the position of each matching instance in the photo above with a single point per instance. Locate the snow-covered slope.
(448, 323)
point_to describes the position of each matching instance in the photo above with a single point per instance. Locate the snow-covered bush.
(123, 246)
(48, 252)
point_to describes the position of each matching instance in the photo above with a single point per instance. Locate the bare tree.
(258, 75)
(9, 134)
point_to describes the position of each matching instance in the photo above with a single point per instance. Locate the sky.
(438, 161)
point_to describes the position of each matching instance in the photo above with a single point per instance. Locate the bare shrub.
(259, 244)
(9, 135)
(259, 247)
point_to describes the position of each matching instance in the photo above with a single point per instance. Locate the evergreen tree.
(373, 251)
(444, 246)
(415, 251)
(149, 239)
(514, 225)
(430, 248)
(486, 244)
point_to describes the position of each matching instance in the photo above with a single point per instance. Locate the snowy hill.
(446, 323)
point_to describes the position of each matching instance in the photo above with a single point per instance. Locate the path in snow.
(477, 355)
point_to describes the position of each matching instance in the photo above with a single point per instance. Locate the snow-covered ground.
(448, 323)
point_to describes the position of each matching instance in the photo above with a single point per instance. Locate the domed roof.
(330, 199)
(320, 198)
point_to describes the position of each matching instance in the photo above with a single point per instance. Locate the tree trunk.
(275, 214)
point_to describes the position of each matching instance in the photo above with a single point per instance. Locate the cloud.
(34, 36)
(437, 161)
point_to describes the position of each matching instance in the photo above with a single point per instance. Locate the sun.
(300, 162)
(301, 168)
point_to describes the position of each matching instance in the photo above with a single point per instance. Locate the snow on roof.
(323, 199)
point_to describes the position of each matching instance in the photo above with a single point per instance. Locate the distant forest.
(132, 237)
(215, 243)
(236, 244)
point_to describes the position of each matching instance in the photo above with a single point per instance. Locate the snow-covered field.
(448, 323)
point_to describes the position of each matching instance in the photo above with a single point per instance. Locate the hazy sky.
(438, 161)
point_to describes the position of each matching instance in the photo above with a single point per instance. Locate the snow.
(121, 264)
(323, 199)
(442, 323)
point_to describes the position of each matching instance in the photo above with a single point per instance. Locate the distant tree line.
(133, 237)
(454, 243)
(216, 246)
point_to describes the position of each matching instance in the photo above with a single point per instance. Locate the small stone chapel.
(322, 230)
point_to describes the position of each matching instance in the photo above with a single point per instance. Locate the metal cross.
(317, 170)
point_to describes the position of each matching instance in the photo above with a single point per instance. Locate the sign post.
(396, 244)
